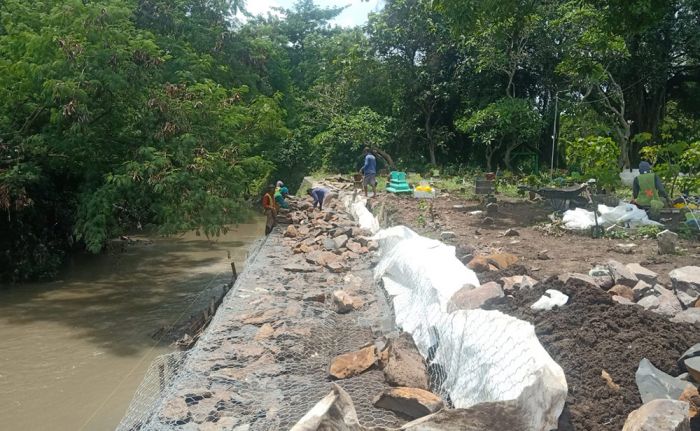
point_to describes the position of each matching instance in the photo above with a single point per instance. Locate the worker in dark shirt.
(647, 190)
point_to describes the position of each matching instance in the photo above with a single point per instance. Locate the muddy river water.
(74, 350)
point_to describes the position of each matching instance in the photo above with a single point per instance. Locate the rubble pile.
(306, 312)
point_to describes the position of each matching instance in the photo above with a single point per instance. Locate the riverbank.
(264, 358)
(75, 349)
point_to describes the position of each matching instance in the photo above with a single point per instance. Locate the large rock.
(340, 241)
(654, 384)
(411, 402)
(663, 302)
(643, 273)
(621, 274)
(502, 260)
(344, 303)
(404, 365)
(518, 282)
(692, 352)
(353, 363)
(335, 412)
(659, 415)
(686, 284)
(667, 242)
(642, 289)
(469, 297)
(669, 305)
(479, 264)
(693, 367)
(691, 315)
(493, 416)
(623, 291)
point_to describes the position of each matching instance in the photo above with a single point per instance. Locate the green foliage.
(341, 145)
(119, 114)
(502, 126)
(595, 157)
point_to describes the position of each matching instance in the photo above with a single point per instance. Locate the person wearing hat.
(647, 190)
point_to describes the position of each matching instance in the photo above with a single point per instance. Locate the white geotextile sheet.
(625, 215)
(483, 355)
(357, 207)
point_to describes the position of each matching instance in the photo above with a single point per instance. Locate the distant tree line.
(121, 114)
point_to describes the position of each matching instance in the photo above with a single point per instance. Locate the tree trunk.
(509, 150)
(429, 135)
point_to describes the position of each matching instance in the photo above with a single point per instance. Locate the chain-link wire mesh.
(263, 362)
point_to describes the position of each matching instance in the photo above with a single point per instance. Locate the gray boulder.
(654, 384)
(691, 315)
(686, 284)
(643, 273)
(621, 275)
(667, 242)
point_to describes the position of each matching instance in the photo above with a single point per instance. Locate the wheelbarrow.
(561, 199)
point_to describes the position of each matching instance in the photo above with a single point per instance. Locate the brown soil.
(591, 333)
(568, 252)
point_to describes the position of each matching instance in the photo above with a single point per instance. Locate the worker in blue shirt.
(369, 171)
(319, 195)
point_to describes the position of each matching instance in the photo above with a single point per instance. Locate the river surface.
(74, 350)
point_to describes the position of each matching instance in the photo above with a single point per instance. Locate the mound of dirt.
(591, 334)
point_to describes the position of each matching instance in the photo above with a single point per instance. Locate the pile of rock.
(404, 369)
(634, 284)
(326, 238)
(669, 402)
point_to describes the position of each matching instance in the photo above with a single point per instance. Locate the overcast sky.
(355, 14)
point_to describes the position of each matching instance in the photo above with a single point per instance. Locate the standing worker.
(369, 171)
(270, 209)
(647, 189)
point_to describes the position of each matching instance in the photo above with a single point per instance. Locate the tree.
(501, 127)
(343, 142)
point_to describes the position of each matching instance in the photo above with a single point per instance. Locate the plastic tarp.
(357, 207)
(625, 215)
(483, 356)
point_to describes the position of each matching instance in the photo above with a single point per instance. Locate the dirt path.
(568, 252)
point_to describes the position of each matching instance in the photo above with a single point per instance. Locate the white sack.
(626, 215)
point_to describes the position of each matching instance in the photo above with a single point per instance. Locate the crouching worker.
(320, 195)
(648, 190)
(270, 208)
(280, 194)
